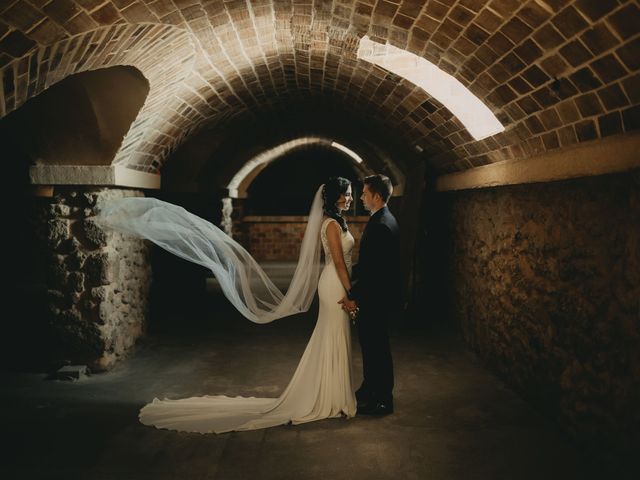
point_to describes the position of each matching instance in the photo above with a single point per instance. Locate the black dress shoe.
(375, 408)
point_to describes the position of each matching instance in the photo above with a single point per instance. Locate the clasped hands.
(351, 307)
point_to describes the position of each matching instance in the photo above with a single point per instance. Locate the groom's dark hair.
(381, 185)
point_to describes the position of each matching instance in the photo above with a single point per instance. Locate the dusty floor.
(453, 419)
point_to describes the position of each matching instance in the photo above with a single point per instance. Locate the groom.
(376, 292)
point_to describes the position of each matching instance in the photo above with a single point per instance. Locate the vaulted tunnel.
(521, 246)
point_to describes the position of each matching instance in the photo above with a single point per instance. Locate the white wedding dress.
(321, 387)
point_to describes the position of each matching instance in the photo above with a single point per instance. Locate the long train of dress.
(321, 387)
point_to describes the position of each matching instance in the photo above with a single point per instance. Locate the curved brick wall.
(555, 72)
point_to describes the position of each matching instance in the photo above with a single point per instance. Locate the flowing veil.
(242, 279)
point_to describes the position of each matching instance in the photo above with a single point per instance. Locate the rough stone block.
(72, 372)
(75, 260)
(69, 317)
(99, 293)
(69, 246)
(75, 281)
(56, 272)
(106, 312)
(59, 210)
(57, 232)
(97, 269)
(57, 301)
(90, 198)
(93, 235)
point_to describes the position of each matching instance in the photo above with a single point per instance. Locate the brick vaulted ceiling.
(554, 72)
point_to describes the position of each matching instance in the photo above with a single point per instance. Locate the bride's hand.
(348, 305)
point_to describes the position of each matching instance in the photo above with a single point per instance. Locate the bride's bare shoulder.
(332, 225)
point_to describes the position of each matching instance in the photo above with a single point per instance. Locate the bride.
(322, 385)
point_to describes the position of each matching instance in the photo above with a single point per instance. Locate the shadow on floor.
(453, 419)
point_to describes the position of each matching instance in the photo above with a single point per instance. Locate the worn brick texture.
(554, 72)
(278, 238)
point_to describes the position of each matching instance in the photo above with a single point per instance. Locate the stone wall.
(97, 282)
(545, 287)
(278, 238)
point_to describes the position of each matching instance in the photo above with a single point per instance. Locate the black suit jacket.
(375, 279)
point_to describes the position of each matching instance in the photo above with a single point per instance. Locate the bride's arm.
(335, 247)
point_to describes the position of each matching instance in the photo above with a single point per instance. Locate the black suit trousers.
(377, 364)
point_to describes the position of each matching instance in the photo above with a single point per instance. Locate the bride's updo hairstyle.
(333, 188)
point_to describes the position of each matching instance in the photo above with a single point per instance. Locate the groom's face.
(367, 198)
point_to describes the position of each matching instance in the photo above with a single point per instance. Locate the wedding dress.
(321, 387)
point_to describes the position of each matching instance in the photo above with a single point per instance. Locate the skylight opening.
(469, 109)
(348, 151)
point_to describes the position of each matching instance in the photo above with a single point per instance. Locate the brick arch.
(537, 117)
(241, 181)
(392, 99)
(391, 102)
(539, 114)
(507, 52)
(211, 157)
(132, 45)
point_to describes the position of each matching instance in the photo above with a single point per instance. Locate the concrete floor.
(453, 419)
